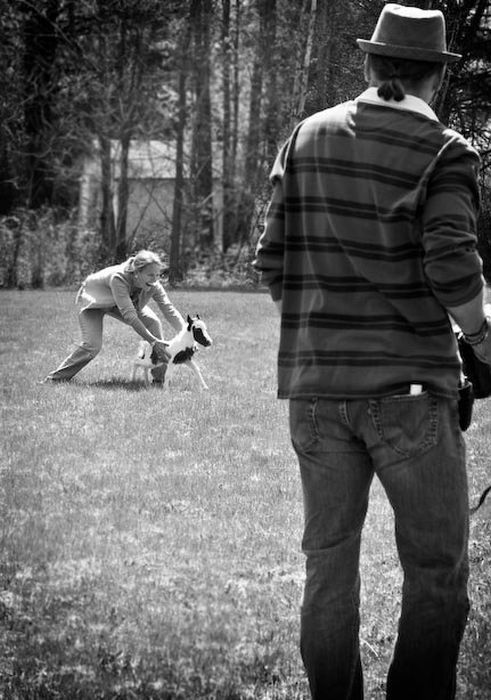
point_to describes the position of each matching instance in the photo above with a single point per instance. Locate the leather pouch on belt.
(477, 372)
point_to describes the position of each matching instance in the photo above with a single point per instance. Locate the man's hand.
(483, 350)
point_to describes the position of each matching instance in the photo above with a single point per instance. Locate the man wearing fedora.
(369, 248)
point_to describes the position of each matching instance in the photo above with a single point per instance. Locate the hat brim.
(382, 49)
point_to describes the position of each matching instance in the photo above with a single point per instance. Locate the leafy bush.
(38, 249)
(219, 270)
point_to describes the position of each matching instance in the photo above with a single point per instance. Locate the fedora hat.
(408, 32)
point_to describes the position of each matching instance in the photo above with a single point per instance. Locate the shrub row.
(44, 249)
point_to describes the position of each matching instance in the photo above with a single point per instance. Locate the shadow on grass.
(116, 383)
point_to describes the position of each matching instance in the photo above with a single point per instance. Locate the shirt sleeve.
(169, 311)
(453, 266)
(120, 291)
(270, 248)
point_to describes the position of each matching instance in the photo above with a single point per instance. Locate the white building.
(151, 182)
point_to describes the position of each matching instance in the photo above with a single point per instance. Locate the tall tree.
(40, 49)
(235, 83)
(11, 110)
(300, 85)
(115, 98)
(255, 131)
(175, 271)
(227, 185)
(262, 135)
(202, 166)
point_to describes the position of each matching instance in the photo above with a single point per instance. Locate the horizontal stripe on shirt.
(379, 322)
(342, 285)
(363, 359)
(355, 248)
(369, 236)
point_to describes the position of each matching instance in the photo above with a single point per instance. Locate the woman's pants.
(91, 323)
(415, 446)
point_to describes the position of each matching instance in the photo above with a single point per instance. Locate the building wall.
(150, 204)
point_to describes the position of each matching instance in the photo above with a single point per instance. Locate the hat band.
(414, 53)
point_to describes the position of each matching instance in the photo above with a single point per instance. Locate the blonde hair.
(142, 259)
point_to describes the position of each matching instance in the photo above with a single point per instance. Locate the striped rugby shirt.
(369, 237)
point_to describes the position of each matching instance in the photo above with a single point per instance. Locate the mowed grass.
(150, 541)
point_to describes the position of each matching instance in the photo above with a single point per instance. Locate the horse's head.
(199, 331)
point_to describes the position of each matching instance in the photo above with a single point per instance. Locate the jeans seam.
(313, 420)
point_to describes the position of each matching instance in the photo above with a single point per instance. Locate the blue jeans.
(415, 446)
(91, 326)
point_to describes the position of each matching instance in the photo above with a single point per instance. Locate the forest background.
(224, 81)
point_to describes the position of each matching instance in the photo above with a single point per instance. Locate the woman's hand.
(161, 350)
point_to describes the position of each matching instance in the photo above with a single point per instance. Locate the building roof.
(147, 160)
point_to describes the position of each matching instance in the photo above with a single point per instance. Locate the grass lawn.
(150, 541)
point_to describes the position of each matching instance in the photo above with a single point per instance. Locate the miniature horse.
(181, 350)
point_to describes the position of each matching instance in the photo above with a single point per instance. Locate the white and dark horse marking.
(181, 350)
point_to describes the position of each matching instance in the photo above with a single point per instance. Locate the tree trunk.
(322, 89)
(17, 227)
(227, 185)
(7, 189)
(202, 174)
(175, 271)
(120, 250)
(254, 132)
(235, 87)
(271, 124)
(108, 229)
(262, 130)
(40, 45)
(302, 71)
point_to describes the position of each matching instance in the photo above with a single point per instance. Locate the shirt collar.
(410, 103)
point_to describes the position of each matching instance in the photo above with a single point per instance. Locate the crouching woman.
(122, 291)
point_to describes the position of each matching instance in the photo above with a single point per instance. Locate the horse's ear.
(189, 319)
(190, 322)
(197, 316)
